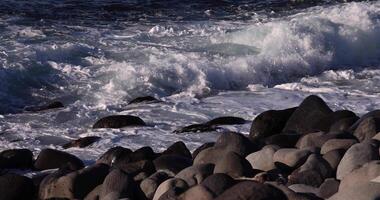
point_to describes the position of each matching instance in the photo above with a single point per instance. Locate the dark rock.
(233, 165)
(51, 159)
(334, 157)
(202, 147)
(118, 185)
(269, 123)
(118, 121)
(172, 164)
(308, 116)
(16, 158)
(16, 187)
(196, 128)
(81, 142)
(52, 105)
(334, 144)
(328, 188)
(318, 139)
(305, 189)
(252, 190)
(218, 183)
(263, 159)
(113, 154)
(197, 192)
(270, 176)
(367, 129)
(290, 157)
(356, 156)
(291, 195)
(144, 153)
(285, 140)
(195, 174)
(373, 114)
(343, 124)
(72, 184)
(150, 184)
(134, 168)
(94, 194)
(145, 99)
(225, 121)
(178, 148)
(175, 185)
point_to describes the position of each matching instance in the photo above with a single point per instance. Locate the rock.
(172, 164)
(195, 174)
(343, 124)
(291, 195)
(150, 184)
(142, 154)
(218, 183)
(233, 165)
(134, 168)
(94, 194)
(178, 148)
(308, 115)
(334, 157)
(367, 128)
(328, 188)
(316, 139)
(263, 159)
(302, 188)
(118, 121)
(144, 99)
(334, 117)
(334, 144)
(16, 159)
(117, 185)
(377, 137)
(270, 176)
(290, 157)
(284, 140)
(356, 156)
(373, 114)
(81, 142)
(13, 187)
(173, 183)
(313, 172)
(252, 190)
(196, 128)
(51, 159)
(269, 123)
(52, 105)
(202, 147)
(72, 184)
(113, 154)
(197, 192)
(225, 121)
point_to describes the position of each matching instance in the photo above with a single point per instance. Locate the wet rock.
(172, 164)
(225, 121)
(178, 148)
(113, 154)
(16, 159)
(176, 184)
(373, 114)
(195, 174)
(51, 159)
(302, 188)
(196, 128)
(269, 123)
(13, 187)
(142, 154)
(233, 165)
(144, 99)
(291, 195)
(356, 156)
(134, 168)
(367, 128)
(343, 124)
(334, 144)
(81, 142)
(118, 121)
(94, 194)
(290, 157)
(218, 183)
(328, 188)
(284, 140)
(72, 184)
(334, 157)
(197, 192)
(252, 190)
(202, 147)
(117, 185)
(307, 117)
(52, 105)
(150, 184)
(263, 159)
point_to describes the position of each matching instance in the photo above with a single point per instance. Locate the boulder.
(290, 157)
(178, 148)
(81, 142)
(308, 116)
(328, 188)
(356, 156)
(195, 174)
(196, 128)
(263, 159)
(373, 114)
(334, 157)
(302, 188)
(269, 123)
(367, 128)
(94, 194)
(176, 184)
(118, 121)
(226, 121)
(172, 164)
(51, 159)
(283, 140)
(52, 105)
(113, 154)
(233, 165)
(16, 159)
(13, 187)
(202, 147)
(218, 183)
(343, 124)
(137, 167)
(334, 144)
(150, 184)
(144, 99)
(117, 185)
(252, 190)
(197, 192)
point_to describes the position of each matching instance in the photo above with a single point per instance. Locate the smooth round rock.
(172, 164)
(150, 184)
(233, 165)
(118, 121)
(263, 159)
(197, 192)
(14, 187)
(117, 185)
(51, 159)
(367, 128)
(195, 174)
(291, 157)
(334, 144)
(178, 148)
(173, 183)
(218, 183)
(16, 159)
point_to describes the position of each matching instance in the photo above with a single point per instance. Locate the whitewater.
(208, 63)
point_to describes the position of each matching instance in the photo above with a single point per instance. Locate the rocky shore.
(308, 152)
